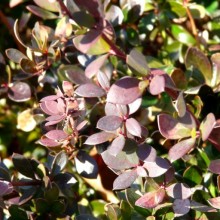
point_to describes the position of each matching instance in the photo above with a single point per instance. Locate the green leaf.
(23, 165)
(113, 211)
(28, 66)
(192, 176)
(52, 194)
(182, 35)
(57, 208)
(197, 59)
(17, 213)
(98, 207)
(42, 206)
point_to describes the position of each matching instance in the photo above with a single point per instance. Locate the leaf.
(181, 148)
(172, 128)
(23, 165)
(89, 90)
(193, 176)
(137, 62)
(114, 15)
(157, 85)
(113, 211)
(181, 207)
(15, 55)
(182, 35)
(117, 145)
(19, 92)
(197, 59)
(151, 199)
(82, 18)
(180, 105)
(157, 168)
(125, 180)
(59, 162)
(119, 162)
(141, 171)
(179, 191)
(109, 123)
(86, 166)
(48, 142)
(56, 135)
(48, 5)
(134, 106)
(99, 138)
(124, 91)
(214, 166)
(93, 68)
(214, 137)
(133, 127)
(201, 207)
(41, 12)
(207, 126)
(5, 188)
(28, 66)
(146, 153)
(103, 80)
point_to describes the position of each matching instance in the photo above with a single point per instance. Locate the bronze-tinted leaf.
(109, 123)
(15, 55)
(48, 5)
(181, 148)
(151, 199)
(28, 66)
(19, 92)
(125, 180)
(124, 91)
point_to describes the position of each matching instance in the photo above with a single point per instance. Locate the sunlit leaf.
(109, 123)
(56, 134)
(5, 187)
(124, 180)
(180, 105)
(15, 55)
(214, 202)
(89, 90)
(59, 162)
(207, 125)
(146, 153)
(133, 127)
(151, 199)
(181, 148)
(124, 91)
(157, 85)
(114, 15)
(117, 145)
(201, 207)
(179, 191)
(181, 207)
(48, 5)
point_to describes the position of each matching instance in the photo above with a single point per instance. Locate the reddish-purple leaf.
(157, 85)
(49, 123)
(117, 145)
(90, 90)
(99, 138)
(181, 207)
(207, 126)
(201, 207)
(93, 68)
(157, 168)
(48, 142)
(55, 118)
(56, 135)
(180, 105)
(179, 191)
(125, 180)
(214, 166)
(19, 92)
(49, 98)
(109, 123)
(172, 128)
(111, 109)
(122, 110)
(151, 199)
(52, 107)
(103, 80)
(133, 127)
(5, 188)
(119, 162)
(214, 137)
(215, 202)
(181, 148)
(146, 153)
(81, 125)
(134, 106)
(124, 91)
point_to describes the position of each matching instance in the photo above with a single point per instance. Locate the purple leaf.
(133, 127)
(15, 55)
(89, 90)
(124, 91)
(109, 123)
(111, 109)
(214, 137)
(172, 128)
(214, 166)
(117, 145)
(180, 105)
(5, 188)
(179, 191)
(157, 85)
(125, 180)
(119, 162)
(55, 118)
(50, 106)
(103, 80)
(49, 98)
(146, 153)
(19, 92)
(201, 207)
(207, 126)
(215, 202)
(157, 168)
(141, 171)
(56, 135)
(81, 125)
(181, 148)
(151, 199)
(181, 207)
(99, 138)
(93, 68)
(48, 142)
(134, 106)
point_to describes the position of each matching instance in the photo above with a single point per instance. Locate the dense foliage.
(110, 109)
